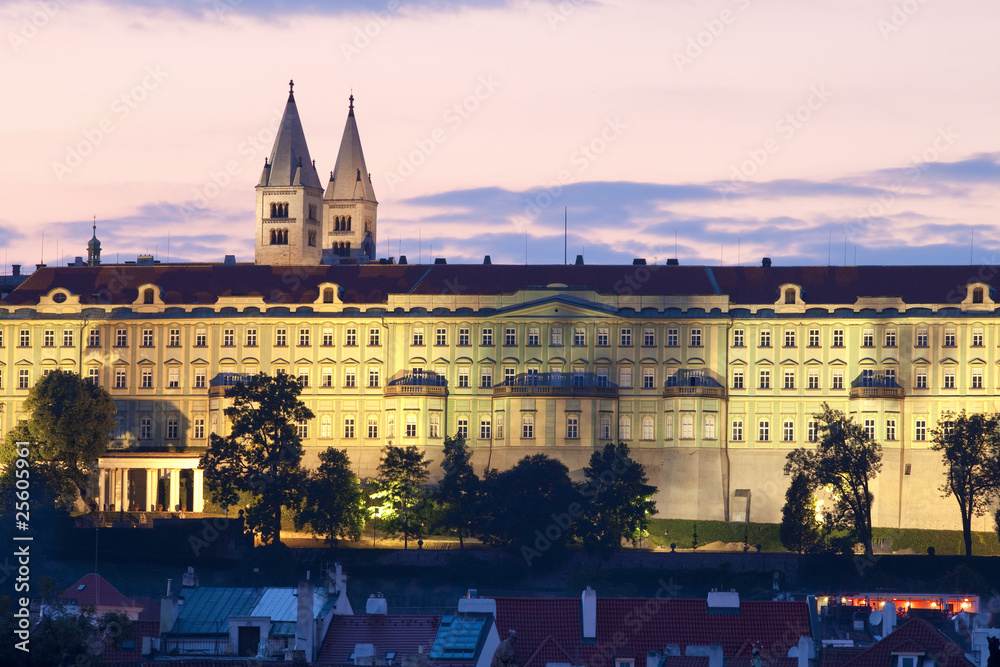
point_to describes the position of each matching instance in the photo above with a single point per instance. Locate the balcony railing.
(694, 383)
(217, 385)
(417, 383)
(542, 385)
(876, 385)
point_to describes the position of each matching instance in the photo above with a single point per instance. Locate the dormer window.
(147, 295)
(790, 296)
(977, 295)
(328, 295)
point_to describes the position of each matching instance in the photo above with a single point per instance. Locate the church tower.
(349, 205)
(289, 198)
(94, 248)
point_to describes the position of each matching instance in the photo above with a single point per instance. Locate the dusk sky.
(734, 129)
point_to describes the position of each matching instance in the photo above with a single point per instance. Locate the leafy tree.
(397, 491)
(799, 529)
(532, 507)
(970, 447)
(333, 503)
(262, 454)
(845, 459)
(618, 500)
(68, 431)
(458, 491)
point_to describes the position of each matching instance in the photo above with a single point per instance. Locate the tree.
(70, 419)
(970, 447)
(458, 490)
(401, 473)
(262, 454)
(845, 459)
(532, 508)
(799, 529)
(618, 500)
(333, 502)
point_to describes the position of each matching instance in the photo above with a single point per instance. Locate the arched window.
(647, 428)
(790, 295)
(327, 295)
(336, 223)
(312, 238)
(977, 295)
(348, 227)
(625, 428)
(274, 210)
(147, 295)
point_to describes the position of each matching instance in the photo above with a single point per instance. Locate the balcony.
(543, 385)
(217, 386)
(689, 383)
(876, 385)
(417, 383)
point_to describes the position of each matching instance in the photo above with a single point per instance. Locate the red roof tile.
(915, 635)
(93, 589)
(403, 634)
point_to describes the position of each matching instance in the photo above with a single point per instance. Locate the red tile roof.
(913, 636)
(97, 591)
(403, 634)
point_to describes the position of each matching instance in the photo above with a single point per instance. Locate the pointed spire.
(289, 152)
(350, 163)
(94, 248)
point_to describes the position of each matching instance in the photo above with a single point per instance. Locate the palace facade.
(710, 374)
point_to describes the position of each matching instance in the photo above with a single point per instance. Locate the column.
(102, 483)
(126, 496)
(151, 489)
(199, 490)
(175, 488)
(113, 491)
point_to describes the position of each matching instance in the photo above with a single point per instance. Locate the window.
(375, 337)
(602, 377)
(555, 336)
(67, 338)
(25, 338)
(93, 338)
(484, 428)
(119, 427)
(765, 338)
(527, 426)
(625, 337)
(814, 338)
(648, 428)
(687, 426)
(173, 378)
(578, 377)
(326, 376)
(463, 337)
(920, 379)
(373, 377)
(709, 427)
(625, 427)
(200, 338)
(411, 426)
(790, 296)
(869, 427)
(303, 376)
(695, 337)
(94, 376)
(49, 338)
(390, 424)
(435, 426)
(498, 434)
(812, 431)
(23, 378)
(349, 427)
(977, 378)
(418, 336)
(325, 426)
(949, 338)
(174, 338)
(251, 337)
(440, 337)
(890, 429)
(486, 377)
(868, 338)
(625, 378)
(146, 378)
(672, 338)
(738, 338)
(838, 338)
(602, 338)
(508, 374)
(789, 379)
(605, 432)
(765, 379)
(372, 426)
(1, 336)
(949, 379)
(487, 336)
(920, 430)
(737, 379)
(977, 338)
(921, 338)
(199, 428)
(648, 337)
(737, 430)
(837, 379)
(281, 337)
(171, 428)
(350, 377)
(977, 295)
(789, 338)
(573, 427)
(510, 336)
(145, 428)
(327, 338)
(303, 337)
(763, 430)
(199, 378)
(788, 431)
(147, 338)
(890, 338)
(813, 378)
(648, 379)
(463, 376)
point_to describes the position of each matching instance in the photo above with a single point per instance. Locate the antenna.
(829, 248)
(738, 241)
(525, 247)
(972, 246)
(168, 246)
(675, 243)
(566, 234)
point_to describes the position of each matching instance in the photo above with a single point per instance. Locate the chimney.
(16, 269)
(579, 260)
(888, 618)
(473, 603)
(169, 582)
(305, 625)
(672, 261)
(766, 261)
(230, 260)
(376, 605)
(652, 659)
(189, 579)
(639, 261)
(440, 260)
(487, 261)
(402, 259)
(169, 608)
(807, 651)
(589, 600)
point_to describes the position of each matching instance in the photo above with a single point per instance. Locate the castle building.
(710, 374)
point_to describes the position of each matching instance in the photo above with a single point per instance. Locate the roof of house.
(372, 283)
(207, 610)
(93, 589)
(400, 633)
(914, 636)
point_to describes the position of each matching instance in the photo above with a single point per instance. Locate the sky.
(717, 131)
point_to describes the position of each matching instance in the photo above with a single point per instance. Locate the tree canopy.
(799, 530)
(398, 493)
(262, 455)
(846, 459)
(459, 489)
(333, 503)
(617, 499)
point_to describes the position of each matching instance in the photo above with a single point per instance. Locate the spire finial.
(95, 225)
(351, 98)
(291, 85)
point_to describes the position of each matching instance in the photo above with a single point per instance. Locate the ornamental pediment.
(559, 307)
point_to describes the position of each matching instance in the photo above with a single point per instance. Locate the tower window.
(279, 237)
(312, 238)
(312, 213)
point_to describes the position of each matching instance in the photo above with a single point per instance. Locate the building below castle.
(710, 374)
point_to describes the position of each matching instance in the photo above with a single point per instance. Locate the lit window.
(737, 430)
(625, 337)
(789, 338)
(838, 338)
(814, 338)
(372, 426)
(765, 338)
(737, 379)
(764, 430)
(648, 428)
(462, 428)
(572, 426)
(349, 427)
(528, 426)
(738, 338)
(788, 431)
(484, 428)
(920, 430)
(687, 426)
(375, 337)
(695, 337)
(625, 427)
